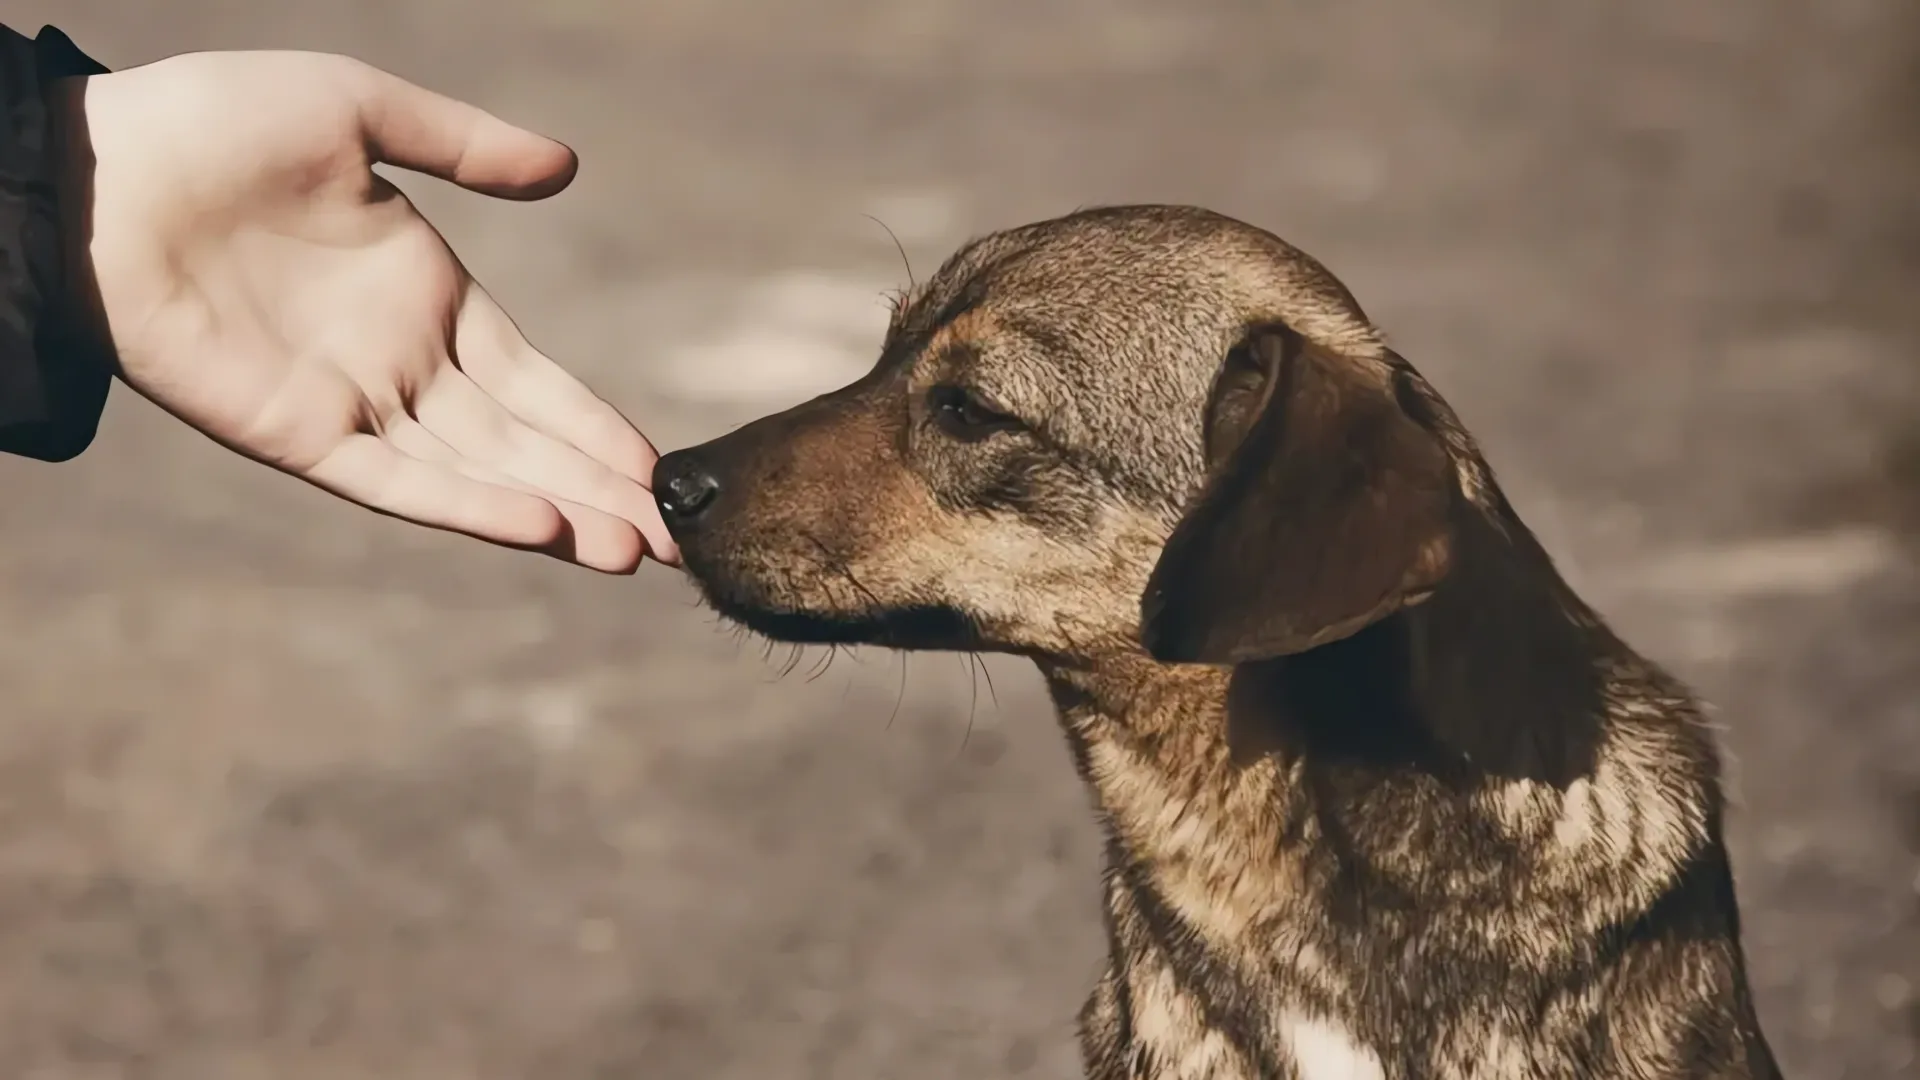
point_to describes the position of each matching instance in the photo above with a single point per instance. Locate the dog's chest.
(1315, 1049)
(1324, 1050)
(1176, 1037)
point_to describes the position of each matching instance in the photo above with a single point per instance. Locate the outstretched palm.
(262, 283)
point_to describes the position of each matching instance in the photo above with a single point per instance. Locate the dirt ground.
(290, 791)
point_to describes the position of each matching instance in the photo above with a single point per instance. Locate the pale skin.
(256, 279)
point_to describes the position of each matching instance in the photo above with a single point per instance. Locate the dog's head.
(1128, 427)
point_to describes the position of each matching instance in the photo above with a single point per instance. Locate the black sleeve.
(53, 386)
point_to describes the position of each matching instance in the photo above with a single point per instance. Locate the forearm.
(53, 377)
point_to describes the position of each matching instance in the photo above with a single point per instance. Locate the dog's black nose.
(683, 486)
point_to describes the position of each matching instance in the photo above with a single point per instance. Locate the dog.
(1382, 798)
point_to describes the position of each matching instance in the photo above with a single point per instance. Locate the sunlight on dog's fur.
(1383, 797)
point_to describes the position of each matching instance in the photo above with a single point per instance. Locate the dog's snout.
(684, 486)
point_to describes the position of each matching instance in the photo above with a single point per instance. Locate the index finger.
(544, 395)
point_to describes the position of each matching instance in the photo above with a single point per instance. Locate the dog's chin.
(912, 627)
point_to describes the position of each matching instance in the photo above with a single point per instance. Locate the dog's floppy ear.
(1326, 509)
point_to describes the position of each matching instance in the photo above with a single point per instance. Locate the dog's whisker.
(973, 699)
(793, 660)
(987, 674)
(899, 698)
(897, 246)
(825, 663)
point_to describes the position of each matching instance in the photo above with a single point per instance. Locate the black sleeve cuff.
(53, 384)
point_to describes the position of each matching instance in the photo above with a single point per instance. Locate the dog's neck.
(1499, 674)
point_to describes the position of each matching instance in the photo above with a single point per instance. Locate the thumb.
(431, 133)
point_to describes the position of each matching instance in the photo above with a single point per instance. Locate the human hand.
(258, 280)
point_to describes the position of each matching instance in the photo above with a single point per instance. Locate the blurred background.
(290, 791)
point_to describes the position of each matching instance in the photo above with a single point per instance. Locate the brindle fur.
(1382, 797)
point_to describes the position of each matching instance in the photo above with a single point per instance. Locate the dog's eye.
(963, 416)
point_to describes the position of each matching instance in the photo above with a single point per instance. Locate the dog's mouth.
(908, 627)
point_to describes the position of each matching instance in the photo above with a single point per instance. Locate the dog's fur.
(1382, 797)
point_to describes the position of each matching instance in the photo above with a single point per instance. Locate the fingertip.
(511, 162)
(516, 519)
(600, 541)
(415, 128)
(538, 524)
(626, 558)
(665, 552)
(548, 172)
(659, 541)
(626, 569)
(616, 566)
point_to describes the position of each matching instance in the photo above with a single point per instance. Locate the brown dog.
(1383, 798)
